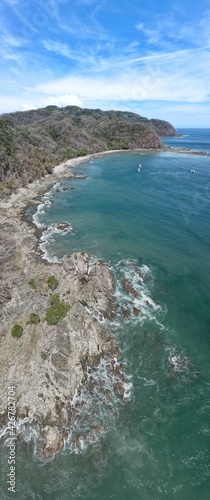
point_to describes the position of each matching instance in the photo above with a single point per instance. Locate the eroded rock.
(54, 441)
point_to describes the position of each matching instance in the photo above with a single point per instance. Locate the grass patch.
(34, 319)
(57, 310)
(52, 282)
(17, 331)
(32, 283)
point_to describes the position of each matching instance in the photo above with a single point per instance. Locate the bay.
(155, 222)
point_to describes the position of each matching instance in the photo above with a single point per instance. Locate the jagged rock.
(54, 441)
(63, 225)
(53, 357)
(125, 313)
(128, 287)
(136, 311)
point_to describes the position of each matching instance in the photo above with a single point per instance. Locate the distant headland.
(33, 142)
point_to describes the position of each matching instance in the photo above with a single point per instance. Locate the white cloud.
(11, 41)
(181, 76)
(63, 100)
(11, 55)
(167, 32)
(84, 27)
(64, 50)
(10, 45)
(28, 106)
(58, 47)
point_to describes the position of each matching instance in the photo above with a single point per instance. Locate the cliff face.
(33, 142)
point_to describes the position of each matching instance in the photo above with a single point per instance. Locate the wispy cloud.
(85, 27)
(89, 52)
(181, 76)
(167, 32)
(59, 48)
(10, 46)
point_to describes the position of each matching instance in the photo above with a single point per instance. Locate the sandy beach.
(23, 195)
(76, 161)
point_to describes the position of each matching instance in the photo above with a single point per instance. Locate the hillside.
(163, 128)
(33, 142)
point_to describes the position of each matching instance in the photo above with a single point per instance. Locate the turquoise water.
(153, 224)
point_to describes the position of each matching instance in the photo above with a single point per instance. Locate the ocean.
(153, 227)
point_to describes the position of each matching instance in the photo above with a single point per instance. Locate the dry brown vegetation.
(33, 142)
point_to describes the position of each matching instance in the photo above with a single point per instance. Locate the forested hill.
(33, 142)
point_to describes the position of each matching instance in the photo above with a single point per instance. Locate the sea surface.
(152, 226)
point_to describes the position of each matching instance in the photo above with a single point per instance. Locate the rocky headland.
(53, 334)
(33, 142)
(52, 331)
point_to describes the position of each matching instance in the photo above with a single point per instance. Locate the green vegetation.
(57, 310)
(33, 142)
(17, 331)
(34, 319)
(52, 282)
(32, 283)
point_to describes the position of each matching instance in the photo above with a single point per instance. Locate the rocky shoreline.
(170, 149)
(59, 310)
(52, 325)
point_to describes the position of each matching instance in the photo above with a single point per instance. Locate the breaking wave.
(135, 287)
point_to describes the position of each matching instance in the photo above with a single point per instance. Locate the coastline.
(27, 194)
(171, 149)
(24, 195)
(76, 161)
(54, 356)
(45, 348)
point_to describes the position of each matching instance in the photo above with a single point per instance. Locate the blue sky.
(144, 56)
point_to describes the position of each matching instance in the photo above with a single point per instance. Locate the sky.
(146, 56)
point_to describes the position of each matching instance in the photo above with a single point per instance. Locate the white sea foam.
(179, 361)
(48, 237)
(46, 202)
(22, 429)
(49, 234)
(137, 305)
(36, 217)
(95, 408)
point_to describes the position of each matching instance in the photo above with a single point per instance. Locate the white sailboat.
(139, 167)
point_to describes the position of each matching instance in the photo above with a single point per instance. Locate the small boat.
(192, 171)
(139, 167)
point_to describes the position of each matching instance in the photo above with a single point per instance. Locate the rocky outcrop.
(48, 363)
(186, 151)
(54, 441)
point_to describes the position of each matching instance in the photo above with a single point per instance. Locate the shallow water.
(153, 227)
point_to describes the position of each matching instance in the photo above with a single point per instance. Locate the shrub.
(32, 283)
(57, 310)
(17, 331)
(34, 319)
(52, 282)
